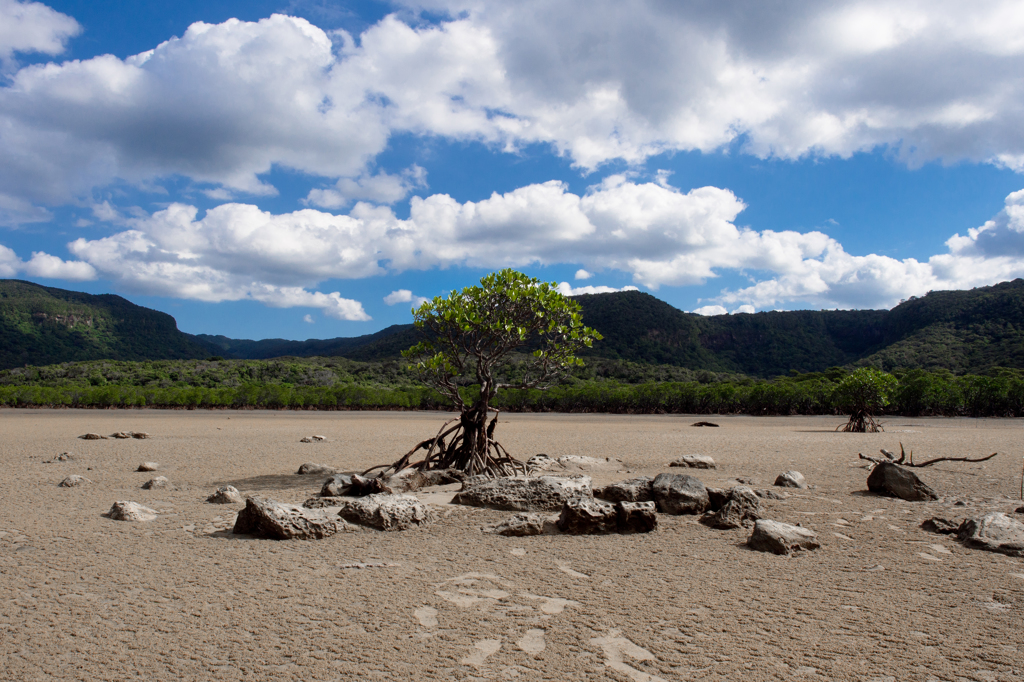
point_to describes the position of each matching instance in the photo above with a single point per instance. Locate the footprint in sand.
(484, 648)
(427, 616)
(615, 650)
(532, 642)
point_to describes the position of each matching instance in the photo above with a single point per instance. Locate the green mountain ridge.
(971, 331)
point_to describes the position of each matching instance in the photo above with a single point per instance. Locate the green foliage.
(865, 390)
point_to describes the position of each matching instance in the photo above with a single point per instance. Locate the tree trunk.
(474, 434)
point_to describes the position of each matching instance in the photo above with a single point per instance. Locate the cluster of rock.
(282, 521)
(141, 435)
(995, 532)
(312, 439)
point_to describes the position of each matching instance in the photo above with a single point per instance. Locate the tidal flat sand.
(83, 597)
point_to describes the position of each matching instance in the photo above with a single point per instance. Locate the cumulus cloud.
(583, 274)
(709, 310)
(308, 319)
(44, 265)
(405, 296)
(381, 188)
(567, 289)
(33, 27)
(745, 309)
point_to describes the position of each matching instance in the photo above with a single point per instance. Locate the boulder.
(148, 466)
(280, 521)
(158, 482)
(741, 508)
(587, 517)
(92, 436)
(524, 524)
(318, 469)
(130, 511)
(226, 494)
(322, 502)
(636, 517)
(941, 526)
(791, 479)
(893, 480)
(694, 462)
(336, 486)
(571, 463)
(638, 489)
(679, 494)
(995, 532)
(73, 481)
(542, 493)
(387, 512)
(781, 538)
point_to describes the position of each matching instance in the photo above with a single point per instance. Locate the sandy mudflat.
(86, 598)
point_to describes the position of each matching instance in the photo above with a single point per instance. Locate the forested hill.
(963, 331)
(43, 325)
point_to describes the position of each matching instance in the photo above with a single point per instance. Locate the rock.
(891, 479)
(310, 468)
(574, 463)
(318, 439)
(1019, 510)
(716, 498)
(158, 482)
(121, 434)
(542, 493)
(587, 517)
(387, 512)
(791, 479)
(705, 424)
(410, 479)
(679, 494)
(941, 526)
(92, 436)
(322, 502)
(280, 521)
(995, 532)
(74, 480)
(634, 490)
(62, 457)
(766, 494)
(336, 486)
(362, 486)
(524, 524)
(226, 494)
(130, 511)
(741, 508)
(636, 517)
(148, 466)
(140, 435)
(781, 538)
(694, 462)
(305, 439)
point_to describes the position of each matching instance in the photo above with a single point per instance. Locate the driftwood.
(907, 459)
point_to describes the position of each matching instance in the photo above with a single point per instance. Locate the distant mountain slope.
(43, 325)
(378, 344)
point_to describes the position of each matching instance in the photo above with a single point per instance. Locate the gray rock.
(74, 480)
(121, 434)
(158, 482)
(638, 489)
(995, 532)
(312, 439)
(148, 466)
(92, 436)
(336, 486)
(1019, 510)
(781, 538)
(741, 508)
(310, 468)
(574, 463)
(226, 494)
(387, 512)
(636, 517)
(587, 517)
(791, 479)
(412, 479)
(140, 435)
(766, 494)
(716, 498)
(543, 493)
(280, 521)
(125, 510)
(322, 502)
(893, 480)
(941, 526)
(694, 462)
(679, 494)
(525, 524)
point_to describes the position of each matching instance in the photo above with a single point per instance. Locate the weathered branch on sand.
(907, 459)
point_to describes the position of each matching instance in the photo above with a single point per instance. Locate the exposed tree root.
(907, 459)
(861, 422)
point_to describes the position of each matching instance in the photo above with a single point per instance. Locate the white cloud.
(745, 309)
(33, 27)
(405, 296)
(709, 310)
(308, 318)
(583, 274)
(567, 289)
(9, 262)
(381, 188)
(44, 265)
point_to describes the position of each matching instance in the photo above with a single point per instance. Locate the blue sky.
(310, 169)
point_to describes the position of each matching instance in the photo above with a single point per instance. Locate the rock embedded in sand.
(226, 494)
(74, 480)
(781, 538)
(158, 482)
(281, 521)
(542, 493)
(574, 463)
(679, 494)
(995, 532)
(638, 489)
(740, 508)
(148, 466)
(941, 526)
(311, 468)
(587, 517)
(766, 494)
(140, 435)
(126, 510)
(336, 485)
(312, 439)
(524, 524)
(121, 434)
(791, 479)
(92, 436)
(636, 517)
(62, 457)
(387, 512)
(893, 480)
(694, 462)
(323, 502)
